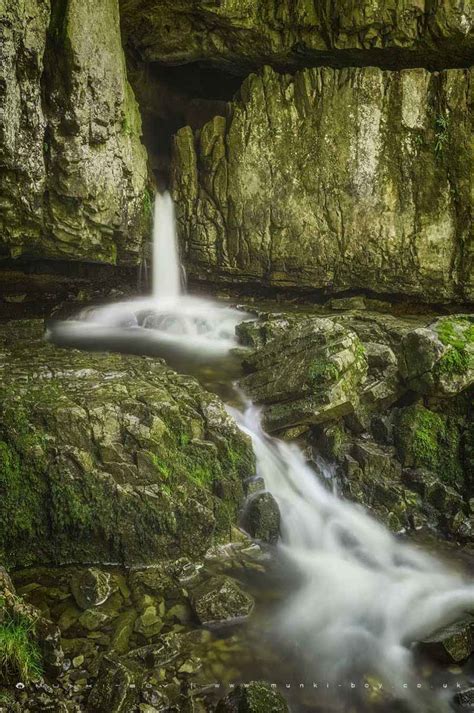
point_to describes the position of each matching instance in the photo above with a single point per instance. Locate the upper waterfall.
(166, 264)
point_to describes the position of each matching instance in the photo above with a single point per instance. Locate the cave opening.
(171, 97)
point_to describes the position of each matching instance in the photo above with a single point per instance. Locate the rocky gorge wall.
(73, 171)
(335, 179)
(244, 34)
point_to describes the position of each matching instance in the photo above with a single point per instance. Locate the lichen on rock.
(74, 171)
(112, 458)
(366, 196)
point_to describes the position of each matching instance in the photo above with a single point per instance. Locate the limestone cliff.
(293, 33)
(335, 179)
(72, 167)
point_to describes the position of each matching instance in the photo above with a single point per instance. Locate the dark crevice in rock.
(402, 303)
(173, 97)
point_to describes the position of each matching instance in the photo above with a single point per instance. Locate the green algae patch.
(110, 458)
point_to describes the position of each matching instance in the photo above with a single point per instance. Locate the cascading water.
(363, 596)
(168, 323)
(166, 264)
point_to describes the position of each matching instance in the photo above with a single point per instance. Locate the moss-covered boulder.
(373, 194)
(110, 458)
(309, 374)
(72, 167)
(429, 439)
(439, 359)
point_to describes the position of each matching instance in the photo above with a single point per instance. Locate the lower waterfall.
(363, 596)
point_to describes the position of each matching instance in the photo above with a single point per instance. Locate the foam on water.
(363, 596)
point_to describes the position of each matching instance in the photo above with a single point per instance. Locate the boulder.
(116, 688)
(261, 518)
(453, 644)
(220, 600)
(309, 374)
(75, 431)
(253, 697)
(91, 587)
(428, 439)
(439, 359)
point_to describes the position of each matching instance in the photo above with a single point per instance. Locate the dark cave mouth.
(171, 97)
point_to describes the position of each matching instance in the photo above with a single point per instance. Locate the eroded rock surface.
(114, 459)
(73, 170)
(243, 33)
(335, 179)
(388, 399)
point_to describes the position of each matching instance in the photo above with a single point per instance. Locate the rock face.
(335, 179)
(243, 33)
(397, 420)
(440, 357)
(73, 170)
(308, 375)
(114, 459)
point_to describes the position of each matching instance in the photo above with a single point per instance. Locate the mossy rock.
(308, 373)
(253, 697)
(439, 359)
(427, 439)
(74, 429)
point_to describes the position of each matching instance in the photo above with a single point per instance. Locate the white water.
(168, 322)
(166, 263)
(364, 596)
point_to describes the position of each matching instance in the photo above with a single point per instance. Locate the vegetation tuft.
(19, 653)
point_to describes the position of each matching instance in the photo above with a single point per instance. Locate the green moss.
(19, 653)
(322, 371)
(22, 482)
(456, 334)
(430, 440)
(147, 203)
(454, 362)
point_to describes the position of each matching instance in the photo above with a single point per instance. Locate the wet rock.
(261, 518)
(452, 644)
(123, 628)
(243, 221)
(254, 697)
(440, 358)
(258, 333)
(310, 374)
(465, 699)
(116, 688)
(430, 440)
(91, 587)
(85, 417)
(150, 623)
(220, 599)
(92, 619)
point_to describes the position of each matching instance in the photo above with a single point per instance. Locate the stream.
(357, 596)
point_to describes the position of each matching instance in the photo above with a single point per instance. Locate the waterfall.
(166, 263)
(363, 596)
